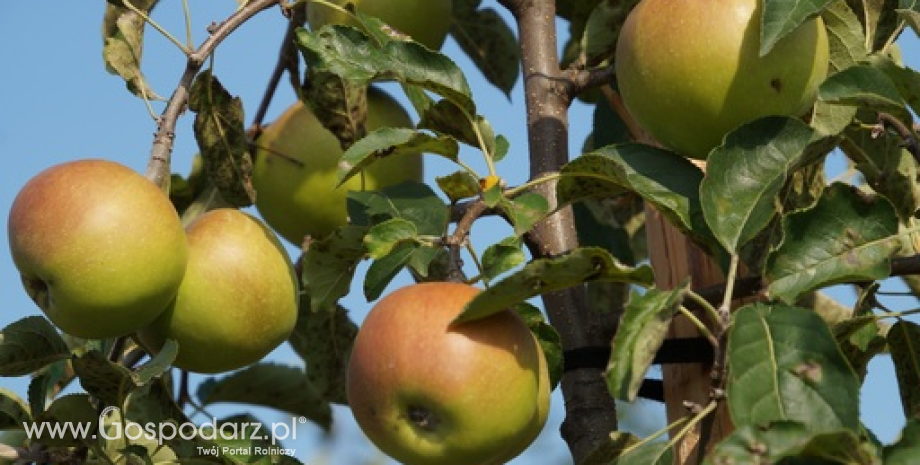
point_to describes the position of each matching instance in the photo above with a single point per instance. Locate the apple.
(296, 163)
(99, 248)
(426, 21)
(238, 300)
(427, 391)
(689, 71)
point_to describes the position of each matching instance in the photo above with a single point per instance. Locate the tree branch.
(590, 410)
(158, 166)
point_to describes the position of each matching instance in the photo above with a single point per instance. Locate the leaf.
(488, 41)
(504, 256)
(340, 105)
(610, 449)
(662, 178)
(349, 53)
(323, 339)
(779, 18)
(158, 364)
(383, 237)
(785, 365)
(382, 271)
(909, 10)
(28, 345)
(525, 211)
(105, 380)
(548, 338)
(389, 142)
(907, 448)
(846, 37)
(329, 265)
(270, 385)
(862, 85)
(641, 332)
(846, 237)
(14, 413)
(878, 19)
(446, 118)
(221, 135)
(414, 202)
(905, 80)
(904, 345)
(64, 419)
(123, 38)
(540, 276)
(759, 444)
(747, 172)
(602, 30)
(650, 453)
(458, 185)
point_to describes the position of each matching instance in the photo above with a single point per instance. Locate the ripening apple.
(427, 391)
(238, 300)
(99, 248)
(296, 169)
(426, 21)
(690, 71)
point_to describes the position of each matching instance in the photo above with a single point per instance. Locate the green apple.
(295, 173)
(690, 71)
(427, 391)
(426, 21)
(99, 248)
(238, 300)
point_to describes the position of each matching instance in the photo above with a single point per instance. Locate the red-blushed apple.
(428, 391)
(296, 169)
(690, 71)
(100, 248)
(426, 21)
(238, 300)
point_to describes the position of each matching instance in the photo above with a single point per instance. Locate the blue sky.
(60, 104)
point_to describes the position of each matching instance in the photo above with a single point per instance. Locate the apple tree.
(698, 229)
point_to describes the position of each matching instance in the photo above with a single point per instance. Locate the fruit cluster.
(103, 253)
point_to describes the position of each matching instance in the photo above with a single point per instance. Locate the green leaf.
(525, 211)
(878, 19)
(845, 34)
(602, 30)
(158, 365)
(446, 118)
(904, 345)
(351, 54)
(414, 202)
(905, 80)
(502, 257)
(105, 380)
(489, 42)
(746, 173)
(123, 49)
(28, 345)
(329, 265)
(641, 332)
(323, 339)
(612, 447)
(284, 388)
(846, 237)
(340, 105)
(39, 390)
(383, 237)
(650, 453)
(782, 17)
(458, 185)
(862, 85)
(664, 179)
(153, 403)
(909, 10)
(382, 271)
(785, 365)
(907, 448)
(548, 338)
(389, 142)
(221, 135)
(63, 418)
(13, 411)
(540, 276)
(761, 443)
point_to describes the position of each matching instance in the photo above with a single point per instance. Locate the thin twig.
(909, 138)
(158, 165)
(287, 61)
